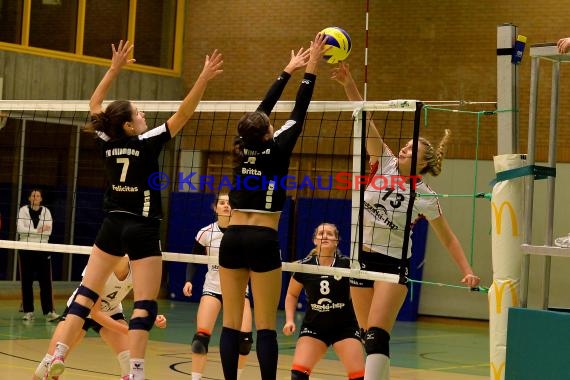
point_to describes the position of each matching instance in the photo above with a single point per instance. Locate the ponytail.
(433, 156)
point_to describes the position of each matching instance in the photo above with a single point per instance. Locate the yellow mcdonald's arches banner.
(506, 216)
(503, 294)
(506, 238)
(498, 218)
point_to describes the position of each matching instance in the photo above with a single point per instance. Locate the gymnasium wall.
(433, 51)
(457, 178)
(428, 50)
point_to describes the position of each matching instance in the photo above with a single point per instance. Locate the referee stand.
(538, 339)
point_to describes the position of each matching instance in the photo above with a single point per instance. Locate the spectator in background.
(35, 226)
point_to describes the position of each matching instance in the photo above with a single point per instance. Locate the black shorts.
(377, 262)
(217, 296)
(123, 233)
(331, 336)
(250, 247)
(91, 324)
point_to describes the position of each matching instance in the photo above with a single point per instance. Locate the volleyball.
(340, 43)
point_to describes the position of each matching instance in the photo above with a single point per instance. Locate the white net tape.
(75, 112)
(201, 259)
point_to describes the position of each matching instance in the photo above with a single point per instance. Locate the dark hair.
(218, 197)
(36, 189)
(112, 119)
(251, 129)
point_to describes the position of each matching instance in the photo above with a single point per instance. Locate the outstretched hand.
(212, 66)
(319, 47)
(298, 60)
(563, 45)
(317, 50)
(121, 55)
(341, 74)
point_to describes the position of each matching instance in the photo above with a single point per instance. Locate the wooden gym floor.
(429, 349)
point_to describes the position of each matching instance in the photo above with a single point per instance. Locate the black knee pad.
(377, 341)
(144, 323)
(76, 308)
(200, 343)
(245, 342)
(299, 375)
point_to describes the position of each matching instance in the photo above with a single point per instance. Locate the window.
(114, 17)
(53, 25)
(11, 21)
(154, 32)
(85, 29)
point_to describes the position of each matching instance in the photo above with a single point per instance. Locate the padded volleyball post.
(506, 205)
(506, 239)
(507, 90)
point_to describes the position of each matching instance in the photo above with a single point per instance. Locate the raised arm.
(297, 61)
(374, 143)
(120, 58)
(286, 136)
(305, 92)
(453, 246)
(317, 50)
(291, 301)
(212, 68)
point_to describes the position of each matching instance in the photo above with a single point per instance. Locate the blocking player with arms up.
(132, 206)
(250, 246)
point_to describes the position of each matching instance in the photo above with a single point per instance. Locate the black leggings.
(36, 264)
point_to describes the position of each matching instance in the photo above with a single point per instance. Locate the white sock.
(240, 371)
(43, 366)
(196, 376)
(60, 349)
(377, 367)
(137, 369)
(124, 358)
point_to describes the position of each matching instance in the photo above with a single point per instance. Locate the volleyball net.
(42, 146)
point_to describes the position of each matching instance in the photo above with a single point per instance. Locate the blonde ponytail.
(434, 157)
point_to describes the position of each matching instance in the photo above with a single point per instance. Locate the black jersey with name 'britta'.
(130, 165)
(259, 183)
(328, 297)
